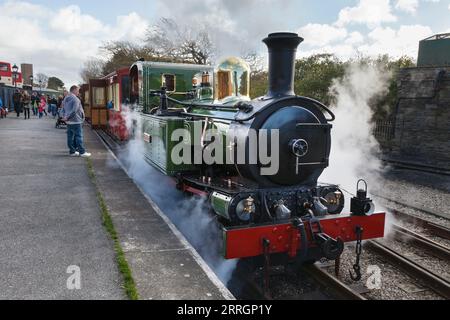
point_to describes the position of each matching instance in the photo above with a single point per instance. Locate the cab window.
(168, 81)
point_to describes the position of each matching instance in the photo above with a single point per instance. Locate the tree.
(255, 61)
(123, 54)
(42, 79)
(92, 68)
(384, 105)
(182, 43)
(259, 83)
(315, 74)
(258, 74)
(55, 83)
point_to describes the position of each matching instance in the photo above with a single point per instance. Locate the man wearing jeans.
(74, 117)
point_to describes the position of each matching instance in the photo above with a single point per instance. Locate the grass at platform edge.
(124, 269)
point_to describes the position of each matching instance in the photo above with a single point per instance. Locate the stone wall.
(422, 121)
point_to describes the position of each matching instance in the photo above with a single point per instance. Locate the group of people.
(68, 107)
(39, 104)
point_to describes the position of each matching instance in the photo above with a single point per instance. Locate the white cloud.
(379, 41)
(409, 6)
(321, 34)
(23, 9)
(369, 12)
(131, 27)
(70, 20)
(58, 42)
(404, 41)
(354, 38)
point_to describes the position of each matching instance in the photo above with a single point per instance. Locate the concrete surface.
(50, 218)
(163, 265)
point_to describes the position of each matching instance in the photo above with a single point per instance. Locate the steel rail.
(326, 279)
(407, 236)
(433, 228)
(433, 213)
(432, 280)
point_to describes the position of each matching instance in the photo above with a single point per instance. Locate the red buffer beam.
(245, 242)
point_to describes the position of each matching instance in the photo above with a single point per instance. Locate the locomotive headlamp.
(361, 205)
(245, 209)
(333, 200)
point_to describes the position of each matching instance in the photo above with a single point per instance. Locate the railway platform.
(51, 221)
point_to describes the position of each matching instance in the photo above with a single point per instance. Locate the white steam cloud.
(355, 151)
(189, 214)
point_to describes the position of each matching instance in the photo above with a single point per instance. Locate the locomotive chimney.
(282, 48)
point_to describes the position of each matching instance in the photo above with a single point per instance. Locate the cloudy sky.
(58, 36)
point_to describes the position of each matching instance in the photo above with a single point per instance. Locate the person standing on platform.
(2, 110)
(44, 98)
(74, 117)
(53, 106)
(35, 103)
(26, 105)
(17, 101)
(41, 107)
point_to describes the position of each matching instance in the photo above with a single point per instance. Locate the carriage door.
(98, 94)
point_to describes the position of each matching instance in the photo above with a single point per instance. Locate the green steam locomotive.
(257, 161)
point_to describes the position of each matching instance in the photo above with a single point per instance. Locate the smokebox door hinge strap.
(356, 267)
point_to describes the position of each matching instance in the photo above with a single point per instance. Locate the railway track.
(340, 290)
(431, 227)
(406, 236)
(403, 235)
(312, 281)
(412, 268)
(424, 210)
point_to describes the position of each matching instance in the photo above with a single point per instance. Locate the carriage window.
(3, 67)
(168, 81)
(99, 96)
(116, 97)
(125, 89)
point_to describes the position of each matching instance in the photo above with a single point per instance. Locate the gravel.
(417, 213)
(427, 260)
(419, 189)
(395, 285)
(425, 233)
